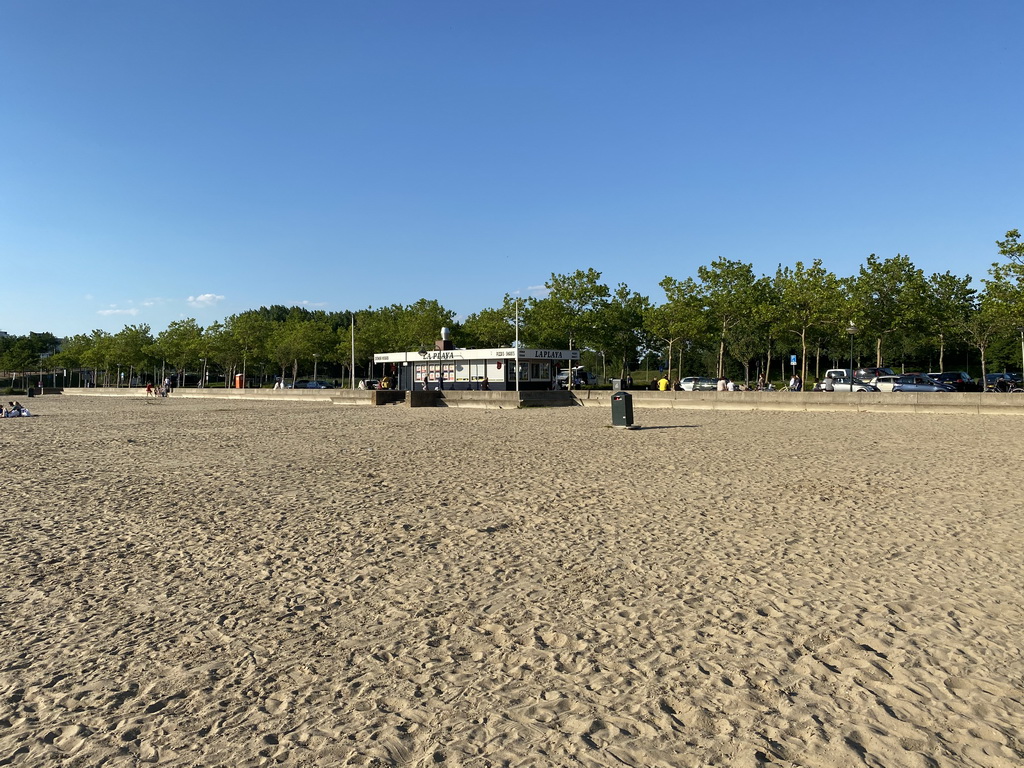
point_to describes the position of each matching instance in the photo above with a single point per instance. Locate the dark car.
(920, 382)
(959, 379)
(1002, 382)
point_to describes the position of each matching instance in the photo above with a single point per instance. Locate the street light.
(1021, 329)
(852, 330)
(422, 352)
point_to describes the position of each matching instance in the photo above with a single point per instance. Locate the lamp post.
(1021, 329)
(314, 366)
(517, 351)
(422, 352)
(852, 330)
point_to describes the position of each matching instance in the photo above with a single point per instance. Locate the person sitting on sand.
(15, 409)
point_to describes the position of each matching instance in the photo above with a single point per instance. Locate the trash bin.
(622, 409)
(616, 384)
(239, 381)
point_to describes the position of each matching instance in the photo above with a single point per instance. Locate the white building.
(468, 368)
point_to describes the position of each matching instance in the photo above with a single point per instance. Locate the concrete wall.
(859, 402)
(306, 395)
(524, 399)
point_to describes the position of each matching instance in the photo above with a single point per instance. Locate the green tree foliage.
(726, 309)
(490, 328)
(181, 345)
(569, 311)
(949, 302)
(729, 291)
(619, 327)
(809, 302)
(887, 297)
(680, 322)
(133, 348)
(1012, 248)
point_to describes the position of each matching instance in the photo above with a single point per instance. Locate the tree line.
(725, 321)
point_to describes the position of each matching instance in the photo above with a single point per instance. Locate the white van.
(585, 377)
(837, 373)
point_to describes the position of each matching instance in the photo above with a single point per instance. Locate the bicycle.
(1007, 386)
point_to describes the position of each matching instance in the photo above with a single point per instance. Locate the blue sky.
(162, 160)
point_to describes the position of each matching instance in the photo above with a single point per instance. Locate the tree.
(729, 291)
(950, 301)
(888, 298)
(619, 326)
(570, 308)
(680, 320)
(133, 348)
(809, 298)
(490, 328)
(251, 332)
(181, 344)
(289, 344)
(1012, 248)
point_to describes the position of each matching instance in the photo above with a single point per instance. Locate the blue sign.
(792, 359)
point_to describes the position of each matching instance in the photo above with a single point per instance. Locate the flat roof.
(499, 353)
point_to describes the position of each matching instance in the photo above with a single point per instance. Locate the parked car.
(699, 384)
(842, 384)
(369, 384)
(581, 377)
(1010, 381)
(870, 374)
(836, 373)
(961, 380)
(306, 384)
(912, 382)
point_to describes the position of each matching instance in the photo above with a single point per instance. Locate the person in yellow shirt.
(663, 384)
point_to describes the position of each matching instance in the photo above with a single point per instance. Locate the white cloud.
(205, 300)
(312, 303)
(106, 312)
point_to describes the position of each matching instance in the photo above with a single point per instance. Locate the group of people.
(160, 391)
(14, 408)
(827, 384)
(724, 385)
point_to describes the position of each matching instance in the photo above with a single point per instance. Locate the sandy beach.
(191, 582)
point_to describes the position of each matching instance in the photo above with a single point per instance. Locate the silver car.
(911, 382)
(841, 384)
(698, 383)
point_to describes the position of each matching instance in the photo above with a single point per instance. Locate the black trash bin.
(622, 409)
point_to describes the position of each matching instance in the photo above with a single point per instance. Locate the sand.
(206, 583)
